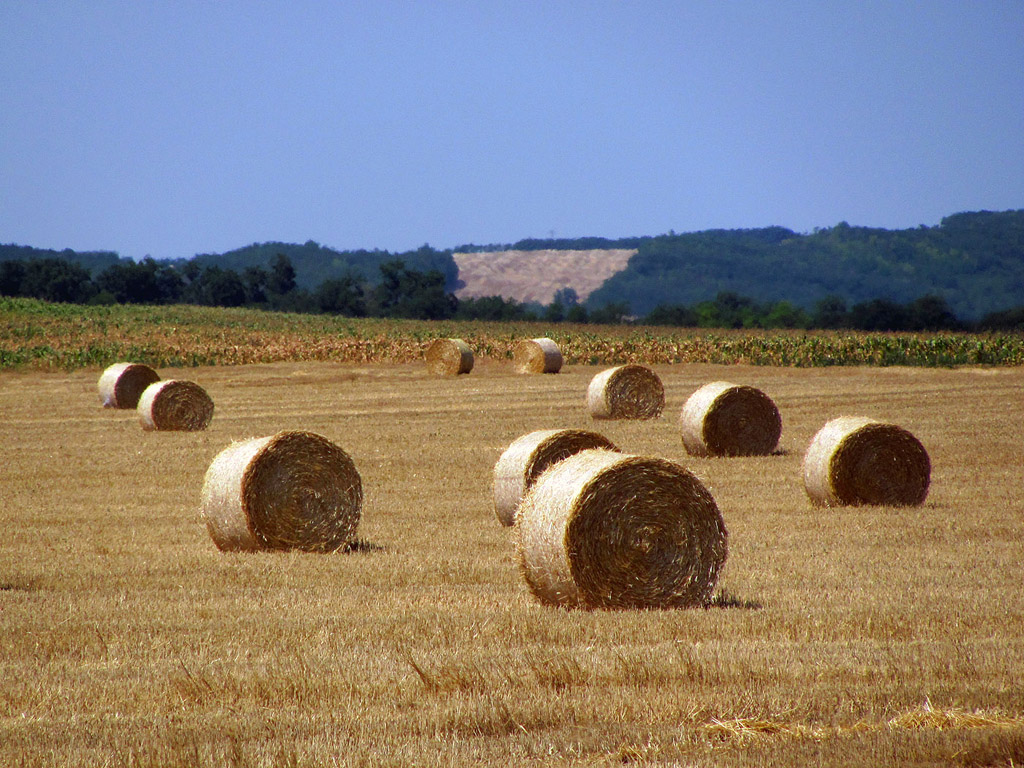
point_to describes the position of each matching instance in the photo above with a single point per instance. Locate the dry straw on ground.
(528, 456)
(723, 419)
(122, 384)
(537, 356)
(293, 490)
(175, 405)
(609, 530)
(856, 460)
(449, 357)
(626, 392)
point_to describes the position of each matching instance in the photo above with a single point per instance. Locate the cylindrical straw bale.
(528, 456)
(609, 530)
(449, 357)
(537, 356)
(122, 384)
(626, 392)
(855, 460)
(723, 419)
(175, 405)
(293, 490)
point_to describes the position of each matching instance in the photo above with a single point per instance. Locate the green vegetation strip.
(39, 336)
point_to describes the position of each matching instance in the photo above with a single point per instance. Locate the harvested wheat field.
(853, 636)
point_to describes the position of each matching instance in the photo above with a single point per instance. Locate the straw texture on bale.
(528, 456)
(723, 419)
(855, 460)
(122, 384)
(610, 530)
(449, 357)
(536, 356)
(293, 490)
(626, 392)
(175, 405)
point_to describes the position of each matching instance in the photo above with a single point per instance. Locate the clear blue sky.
(175, 128)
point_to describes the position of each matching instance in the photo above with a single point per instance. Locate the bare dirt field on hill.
(858, 636)
(536, 275)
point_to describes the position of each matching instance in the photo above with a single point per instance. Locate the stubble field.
(859, 636)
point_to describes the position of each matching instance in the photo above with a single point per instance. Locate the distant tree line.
(409, 293)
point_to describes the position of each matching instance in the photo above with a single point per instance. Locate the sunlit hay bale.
(528, 456)
(449, 357)
(293, 490)
(723, 419)
(122, 384)
(609, 530)
(536, 356)
(175, 405)
(855, 460)
(626, 392)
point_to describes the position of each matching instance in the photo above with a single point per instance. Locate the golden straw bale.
(536, 356)
(530, 455)
(609, 530)
(293, 490)
(122, 384)
(855, 460)
(175, 405)
(449, 357)
(626, 392)
(723, 419)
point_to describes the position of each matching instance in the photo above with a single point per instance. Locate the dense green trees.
(975, 261)
(969, 268)
(404, 292)
(730, 310)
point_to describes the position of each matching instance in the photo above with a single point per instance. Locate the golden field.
(857, 636)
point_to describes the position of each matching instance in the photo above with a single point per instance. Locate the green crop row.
(38, 335)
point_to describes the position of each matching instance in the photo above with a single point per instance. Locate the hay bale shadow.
(362, 545)
(725, 599)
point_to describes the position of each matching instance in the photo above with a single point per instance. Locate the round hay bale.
(528, 456)
(175, 405)
(609, 530)
(449, 357)
(855, 460)
(122, 384)
(293, 490)
(723, 419)
(536, 356)
(626, 392)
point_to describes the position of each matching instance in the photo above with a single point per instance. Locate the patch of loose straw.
(122, 384)
(950, 719)
(536, 356)
(175, 405)
(626, 392)
(293, 490)
(751, 729)
(856, 460)
(723, 419)
(528, 456)
(609, 530)
(449, 357)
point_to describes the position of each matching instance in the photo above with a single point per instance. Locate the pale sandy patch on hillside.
(536, 275)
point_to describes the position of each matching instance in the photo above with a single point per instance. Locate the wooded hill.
(975, 261)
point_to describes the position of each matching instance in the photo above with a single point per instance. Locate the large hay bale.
(608, 530)
(122, 384)
(855, 460)
(528, 456)
(723, 419)
(175, 405)
(536, 356)
(293, 490)
(626, 392)
(449, 357)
